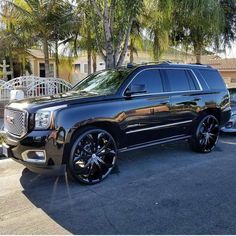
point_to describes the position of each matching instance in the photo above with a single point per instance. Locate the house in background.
(36, 60)
(75, 70)
(80, 64)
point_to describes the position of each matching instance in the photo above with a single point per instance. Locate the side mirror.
(135, 89)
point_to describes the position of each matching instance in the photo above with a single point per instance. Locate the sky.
(230, 52)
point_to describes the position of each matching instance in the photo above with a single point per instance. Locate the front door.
(145, 113)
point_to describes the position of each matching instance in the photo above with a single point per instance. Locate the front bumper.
(230, 126)
(39, 151)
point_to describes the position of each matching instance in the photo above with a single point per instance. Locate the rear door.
(185, 98)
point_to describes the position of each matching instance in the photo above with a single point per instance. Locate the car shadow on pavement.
(73, 206)
(151, 188)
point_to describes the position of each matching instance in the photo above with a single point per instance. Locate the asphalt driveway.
(162, 190)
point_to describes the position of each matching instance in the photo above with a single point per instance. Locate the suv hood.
(69, 98)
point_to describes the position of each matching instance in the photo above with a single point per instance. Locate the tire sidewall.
(194, 141)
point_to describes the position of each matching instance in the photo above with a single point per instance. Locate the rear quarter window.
(213, 79)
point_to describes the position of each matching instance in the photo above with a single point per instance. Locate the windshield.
(103, 83)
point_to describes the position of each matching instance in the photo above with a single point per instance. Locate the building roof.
(37, 53)
(220, 63)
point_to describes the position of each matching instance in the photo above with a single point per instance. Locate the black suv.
(114, 111)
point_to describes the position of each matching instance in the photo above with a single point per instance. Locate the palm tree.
(157, 21)
(40, 18)
(136, 39)
(13, 39)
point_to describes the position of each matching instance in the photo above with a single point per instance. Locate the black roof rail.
(168, 62)
(200, 64)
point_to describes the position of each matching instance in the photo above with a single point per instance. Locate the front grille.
(15, 122)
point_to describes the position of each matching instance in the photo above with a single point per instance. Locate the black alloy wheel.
(93, 156)
(207, 134)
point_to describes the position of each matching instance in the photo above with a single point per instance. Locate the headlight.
(42, 119)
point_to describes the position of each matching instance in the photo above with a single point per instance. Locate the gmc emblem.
(10, 119)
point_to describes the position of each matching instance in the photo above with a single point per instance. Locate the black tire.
(92, 156)
(206, 134)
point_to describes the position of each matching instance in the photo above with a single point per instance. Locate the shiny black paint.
(120, 115)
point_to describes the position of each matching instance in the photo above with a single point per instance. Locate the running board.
(153, 143)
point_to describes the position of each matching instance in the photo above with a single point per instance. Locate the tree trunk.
(89, 54)
(198, 53)
(94, 57)
(131, 56)
(89, 50)
(46, 57)
(109, 57)
(125, 47)
(198, 58)
(57, 59)
(110, 64)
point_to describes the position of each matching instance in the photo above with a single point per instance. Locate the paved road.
(162, 190)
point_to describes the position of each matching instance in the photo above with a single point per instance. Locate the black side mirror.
(135, 89)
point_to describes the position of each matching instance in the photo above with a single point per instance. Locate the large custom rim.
(93, 156)
(208, 133)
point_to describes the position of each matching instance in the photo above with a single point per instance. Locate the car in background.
(230, 126)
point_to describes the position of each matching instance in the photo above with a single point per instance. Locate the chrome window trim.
(191, 71)
(158, 127)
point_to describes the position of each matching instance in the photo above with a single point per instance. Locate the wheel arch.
(212, 111)
(108, 126)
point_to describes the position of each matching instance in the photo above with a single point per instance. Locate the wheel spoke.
(86, 151)
(100, 172)
(108, 151)
(104, 147)
(77, 157)
(100, 160)
(90, 171)
(208, 120)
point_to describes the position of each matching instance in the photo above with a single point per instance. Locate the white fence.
(33, 87)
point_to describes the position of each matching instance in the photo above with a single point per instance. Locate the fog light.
(34, 156)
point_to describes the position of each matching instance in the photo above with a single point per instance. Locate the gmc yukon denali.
(114, 111)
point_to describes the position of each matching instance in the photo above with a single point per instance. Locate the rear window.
(180, 80)
(213, 78)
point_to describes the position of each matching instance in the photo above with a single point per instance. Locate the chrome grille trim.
(15, 122)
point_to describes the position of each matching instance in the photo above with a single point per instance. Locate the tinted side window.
(151, 79)
(180, 80)
(212, 78)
